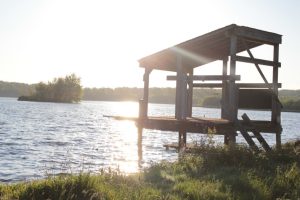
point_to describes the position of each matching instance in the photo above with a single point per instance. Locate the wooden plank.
(239, 85)
(263, 126)
(209, 78)
(258, 35)
(257, 134)
(257, 61)
(199, 125)
(256, 85)
(208, 85)
(247, 137)
(175, 146)
(254, 99)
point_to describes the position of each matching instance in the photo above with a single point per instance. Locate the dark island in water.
(62, 90)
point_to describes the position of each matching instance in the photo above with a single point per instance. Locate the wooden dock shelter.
(223, 44)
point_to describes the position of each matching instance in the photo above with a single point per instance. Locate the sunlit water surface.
(42, 139)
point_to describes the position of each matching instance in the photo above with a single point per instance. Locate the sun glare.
(126, 109)
(127, 155)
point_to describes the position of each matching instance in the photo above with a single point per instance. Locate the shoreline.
(210, 172)
(196, 106)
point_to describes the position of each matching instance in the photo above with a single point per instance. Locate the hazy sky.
(101, 41)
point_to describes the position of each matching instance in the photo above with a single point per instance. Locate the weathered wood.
(144, 103)
(140, 143)
(232, 102)
(259, 36)
(208, 47)
(255, 99)
(262, 74)
(257, 134)
(238, 85)
(208, 78)
(175, 146)
(190, 95)
(217, 45)
(247, 137)
(181, 91)
(224, 100)
(199, 124)
(142, 111)
(257, 67)
(181, 138)
(257, 61)
(276, 107)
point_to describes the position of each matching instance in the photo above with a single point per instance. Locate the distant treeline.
(156, 95)
(202, 97)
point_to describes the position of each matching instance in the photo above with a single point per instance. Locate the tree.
(66, 90)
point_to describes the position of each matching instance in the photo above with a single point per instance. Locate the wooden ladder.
(256, 133)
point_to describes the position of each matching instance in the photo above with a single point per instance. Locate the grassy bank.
(207, 173)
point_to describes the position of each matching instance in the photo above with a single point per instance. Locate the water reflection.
(128, 147)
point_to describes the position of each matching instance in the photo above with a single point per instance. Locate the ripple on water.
(41, 139)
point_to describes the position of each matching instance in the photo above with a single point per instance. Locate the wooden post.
(224, 101)
(143, 112)
(181, 90)
(181, 99)
(144, 102)
(276, 108)
(140, 145)
(190, 94)
(232, 99)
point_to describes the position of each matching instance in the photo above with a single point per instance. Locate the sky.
(101, 41)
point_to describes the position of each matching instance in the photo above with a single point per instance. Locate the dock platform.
(201, 125)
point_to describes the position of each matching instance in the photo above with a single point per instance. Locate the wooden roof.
(209, 47)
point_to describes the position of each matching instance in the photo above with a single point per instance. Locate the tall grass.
(208, 172)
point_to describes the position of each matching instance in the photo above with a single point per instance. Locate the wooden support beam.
(208, 85)
(257, 61)
(276, 107)
(140, 144)
(257, 134)
(231, 107)
(190, 94)
(143, 113)
(232, 91)
(257, 66)
(181, 139)
(224, 100)
(209, 78)
(181, 90)
(239, 85)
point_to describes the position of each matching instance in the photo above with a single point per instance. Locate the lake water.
(40, 139)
